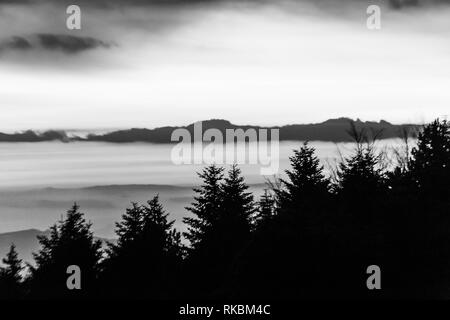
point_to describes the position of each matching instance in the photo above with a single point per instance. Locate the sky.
(173, 62)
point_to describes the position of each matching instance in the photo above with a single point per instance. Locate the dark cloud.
(16, 43)
(105, 3)
(70, 44)
(15, 1)
(394, 3)
(53, 42)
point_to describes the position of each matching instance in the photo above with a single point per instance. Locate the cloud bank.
(68, 44)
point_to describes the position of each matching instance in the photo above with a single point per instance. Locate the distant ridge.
(32, 136)
(333, 130)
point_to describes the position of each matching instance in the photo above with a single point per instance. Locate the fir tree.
(10, 275)
(71, 242)
(430, 163)
(361, 175)
(129, 229)
(158, 229)
(220, 229)
(206, 206)
(146, 239)
(238, 206)
(266, 208)
(306, 185)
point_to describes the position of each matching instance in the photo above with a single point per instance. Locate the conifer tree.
(269, 265)
(238, 207)
(361, 175)
(158, 229)
(206, 205)
(10, 275)
(430, 163)
(418, 203)
(306, 185)
(129, 229)
(266, 208)
(220, 228)
(70, 242)
(163, 252)
(147, 240)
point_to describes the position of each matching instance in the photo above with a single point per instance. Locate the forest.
(311, 235)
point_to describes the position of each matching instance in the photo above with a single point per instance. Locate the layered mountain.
(334, 130)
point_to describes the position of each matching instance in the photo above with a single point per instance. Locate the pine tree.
(129, 229)
(163, 252)
(266, 208)
(361, 175)
(148, 241)
(306, 185)
(238, 207)
(430, 163)
(71, 242)
(418, 206)
(206, 206)
(220, 228)
(269, 265)
(10, 275)
(157, 228)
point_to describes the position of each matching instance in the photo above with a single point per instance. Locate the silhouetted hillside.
(334, 130)
(31, 136)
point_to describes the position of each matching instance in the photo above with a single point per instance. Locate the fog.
(40, 181)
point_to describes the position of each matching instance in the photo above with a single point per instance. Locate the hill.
(32, 136)
(333, 130)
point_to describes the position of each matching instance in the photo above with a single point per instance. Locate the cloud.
(111, 3)
(70, 44)
(53, 42)
(139, 24)
(15, 43)
(14, 1)
(174, 3)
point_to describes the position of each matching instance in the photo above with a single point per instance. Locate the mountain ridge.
(333, 130)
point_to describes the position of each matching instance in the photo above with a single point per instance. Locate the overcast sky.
(141, 64)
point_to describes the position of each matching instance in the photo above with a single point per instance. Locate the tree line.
(310, 235)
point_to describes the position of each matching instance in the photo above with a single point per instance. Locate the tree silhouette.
(284, 258)
(146, 239)
(360, 175)
(422, 203)
(266, 208)
(223, 204)
(306, 184)
(430, 163)
(10, 275)
(129, 229)
(237, 208)
(158, 230)
(71, 242)
(206, 205)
